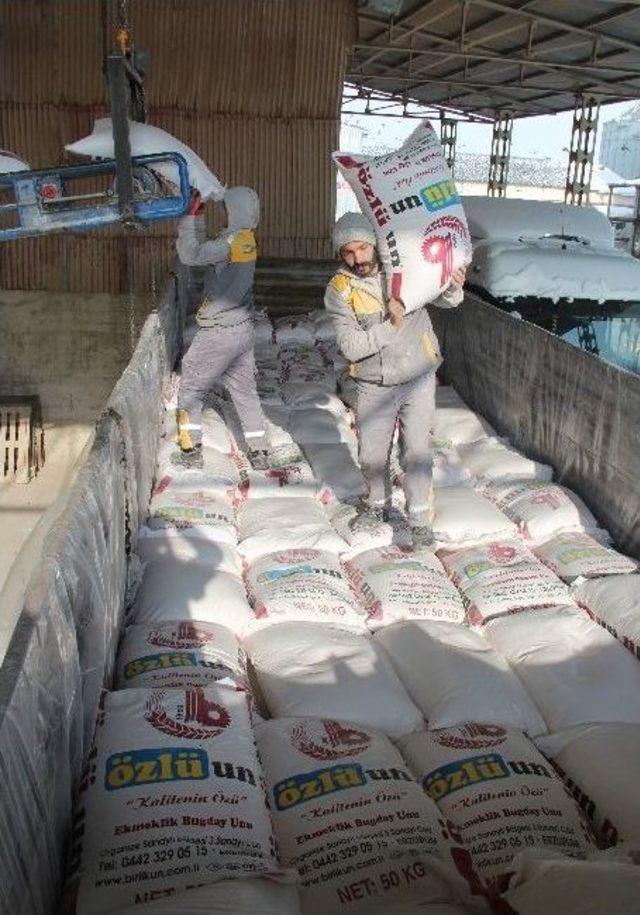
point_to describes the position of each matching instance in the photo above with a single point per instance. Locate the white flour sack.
(218, 473)
(291, 480)
(575, 555)
(501, 577)
(574, 670)
(463, 516)
(313, 670)
(614, 602)
(499, 794)
(457, 425)
(488, 459)
(454, 676)
(411, 200)
(599, 764)
(259, 896)
(350, 818)
(302, 585)
(172, 655)
(379, 534)
(173, 797)
(184, 591)
(396, 584)
(207, 514)
(543, 884)
(278, 524)
(541, 510)
(155, 545)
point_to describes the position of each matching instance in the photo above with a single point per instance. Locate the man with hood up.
(393, 357)
(222, 349)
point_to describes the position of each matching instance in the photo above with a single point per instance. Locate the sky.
(543, 136)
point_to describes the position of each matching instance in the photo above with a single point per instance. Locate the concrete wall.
(67, 348)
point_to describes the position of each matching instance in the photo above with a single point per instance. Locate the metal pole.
(118, 91)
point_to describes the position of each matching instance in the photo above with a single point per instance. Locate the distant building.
(620, 144)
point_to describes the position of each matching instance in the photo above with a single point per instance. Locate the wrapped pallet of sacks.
(573, 669)
(543, 882)
(302, 585)
(541, 510)
(158, 544)
(492, 460)
(395, 585)
(289, 480)
(501, 577)
(312, 670)
(573, 555)
(499, 795)
(379, 534)
(463, 516)
(412, 203)
(173, 798)
(351, 819)
(175, 590)
(248, 896)
(335, 468)
(599, 764)
(218, 473)
(454, 676)
(179, 654)
(614, 602)
(203, 513)
(272, 525)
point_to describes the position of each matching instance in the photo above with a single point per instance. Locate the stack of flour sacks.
(308, 722)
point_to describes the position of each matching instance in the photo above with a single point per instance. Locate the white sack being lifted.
(174, 655)
(192, 753)
(501, 577)
(574, 670)
(10, 163)
(315, 671)
(411, 200)
(349, 816)
(144, 140)
(296, 585)
(174, 590)
(599, 763)
(614, 602)
(454, 676)
(499, 794)
(394, 584)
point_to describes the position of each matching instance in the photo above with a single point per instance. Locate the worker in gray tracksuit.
(393, 357)
(222, 349)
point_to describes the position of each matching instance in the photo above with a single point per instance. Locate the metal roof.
(479, 56)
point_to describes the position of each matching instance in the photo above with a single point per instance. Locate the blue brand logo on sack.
(165, 660)
(439, 195)
(454, 776)
(148, 767)
(310, 785)
(285, 572)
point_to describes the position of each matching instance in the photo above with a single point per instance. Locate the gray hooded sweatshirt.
(376, 351)
(231, 258)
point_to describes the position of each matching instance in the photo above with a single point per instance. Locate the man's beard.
(368, 268)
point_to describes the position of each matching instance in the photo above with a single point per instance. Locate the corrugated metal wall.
(254, 86)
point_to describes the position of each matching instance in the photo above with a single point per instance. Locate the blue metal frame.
(25, 187)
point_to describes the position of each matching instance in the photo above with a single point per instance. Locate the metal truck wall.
(557, 403)
(64, 645)
(254, 86)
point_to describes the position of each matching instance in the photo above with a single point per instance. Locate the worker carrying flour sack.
(393, 357)
(222, 349)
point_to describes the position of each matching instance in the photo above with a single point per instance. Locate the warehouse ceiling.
(480, 56)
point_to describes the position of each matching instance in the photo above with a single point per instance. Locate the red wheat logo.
(438, 246)
(471, 737)
(194, 717)
(328, 739)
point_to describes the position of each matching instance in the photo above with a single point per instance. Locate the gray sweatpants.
(378, 409)
(223, 355)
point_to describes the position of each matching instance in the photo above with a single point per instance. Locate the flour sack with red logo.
(411, 199)
(173, 797)
(351, 818)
